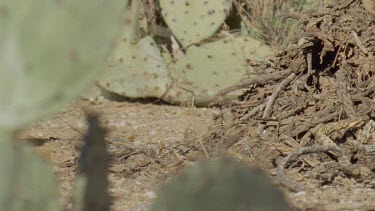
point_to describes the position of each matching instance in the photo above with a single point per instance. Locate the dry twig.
(292, 157)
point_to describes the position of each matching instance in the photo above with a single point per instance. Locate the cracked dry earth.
(149, 144)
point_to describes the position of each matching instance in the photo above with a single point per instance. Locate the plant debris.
(309, 112)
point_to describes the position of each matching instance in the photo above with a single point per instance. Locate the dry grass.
(263, 19)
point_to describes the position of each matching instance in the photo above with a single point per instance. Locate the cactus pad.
(208, 68)
(192, 21)
(136, 70)
(220, 185)
(49, 52)
(27, 182)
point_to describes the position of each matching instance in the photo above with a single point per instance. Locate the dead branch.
(292, 157)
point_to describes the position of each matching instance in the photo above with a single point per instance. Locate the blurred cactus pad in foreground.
(49, 53)
(222, 184)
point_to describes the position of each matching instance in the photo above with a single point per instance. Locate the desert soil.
(134, 128)
(135, 175)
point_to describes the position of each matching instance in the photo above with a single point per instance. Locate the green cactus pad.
(192, 21)
(135, 23)
(49, 52)
(27, 182)
(206, 69)
(220, 185)
(136, 71)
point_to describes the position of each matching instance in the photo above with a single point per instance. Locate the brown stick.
(293, 157)
(342, 92)
(273, 97)
(257, 80)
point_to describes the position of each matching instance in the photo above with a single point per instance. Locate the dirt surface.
(148, 144)
(172, 131)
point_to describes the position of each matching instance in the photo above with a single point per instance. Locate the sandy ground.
(135, 131)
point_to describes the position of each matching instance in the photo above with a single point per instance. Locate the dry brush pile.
(309, 112)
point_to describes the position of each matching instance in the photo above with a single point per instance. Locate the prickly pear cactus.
(208, 68)
(192, 21)
(140, 70)
(136, 70)
(49, 52)
(27, 182)
(135, 22)
(220, 185)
